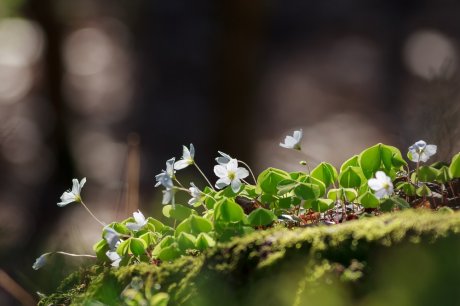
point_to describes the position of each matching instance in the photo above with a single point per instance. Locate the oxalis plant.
(376, 181)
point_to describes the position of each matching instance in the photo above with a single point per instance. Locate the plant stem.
(202, 173)
(416, 170)
(244, 181)
(75, 255)
(308, 167)
(453, 191)
(182, 189)
(344, 211)
(250, 171)
(177, 181)
(89, 211)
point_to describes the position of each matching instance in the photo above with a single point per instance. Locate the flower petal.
(139, 217)
(181, 164)
(380, 193)
(298, 135)
(381, 176)
(374, 184)
(242, 173)
(290, 142)
(236, 185)
(82, 183)
(185, 153)
(168, 195)
(75, 186)
(220, 171)
(222, 182)
(192, 151)
(111, 236)
(420, 144)
(170, 166)
(424, 157)
(66, 198)
(232, 165)
(430, 150)
(133, 226)
(223, 159)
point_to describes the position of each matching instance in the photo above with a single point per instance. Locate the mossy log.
(405, 258)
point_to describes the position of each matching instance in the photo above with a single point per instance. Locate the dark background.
(111, 89)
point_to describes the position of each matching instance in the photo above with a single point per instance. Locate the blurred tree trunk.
(237, 58)
(43, 12)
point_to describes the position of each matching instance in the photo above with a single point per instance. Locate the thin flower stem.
(75, 255)
(246, 182)
(308, 167)
(250, 171)
(89, 211)
(202, 173)
(204, 206)
(177, 181)
(209, 196)
(453, 191)
(183, 189)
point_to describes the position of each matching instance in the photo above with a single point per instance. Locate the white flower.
(195, 193)
(223, 159)
(140, 221)
(381, 184)
(168, 195)
(230, 174)
(112, 237)
(166, 176)
(40, 261)
(72, 195)
(114, 258)
(187, 158)
(421, 152)
(293, 142)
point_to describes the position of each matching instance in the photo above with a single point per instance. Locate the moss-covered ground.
(405, 258)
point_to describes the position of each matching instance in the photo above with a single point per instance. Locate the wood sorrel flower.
(381, 184)
(195, 193)
(72, 195)
(112, 237)
(140, 221)
(421, 152)
(114, 258)
(40, 261)
(293, 142)
(168, 196)
(230, 174)
(187, 158)
(166, 176)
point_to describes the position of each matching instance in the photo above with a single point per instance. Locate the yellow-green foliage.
(408, 258)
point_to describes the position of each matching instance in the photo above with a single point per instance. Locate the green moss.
(290, 266)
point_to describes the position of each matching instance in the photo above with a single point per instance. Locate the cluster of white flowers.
(113, 237)
(228, 173)
(418, 152)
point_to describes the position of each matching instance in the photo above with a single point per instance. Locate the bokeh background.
(111, 89)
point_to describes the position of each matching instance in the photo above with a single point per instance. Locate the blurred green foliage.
(9, 8)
